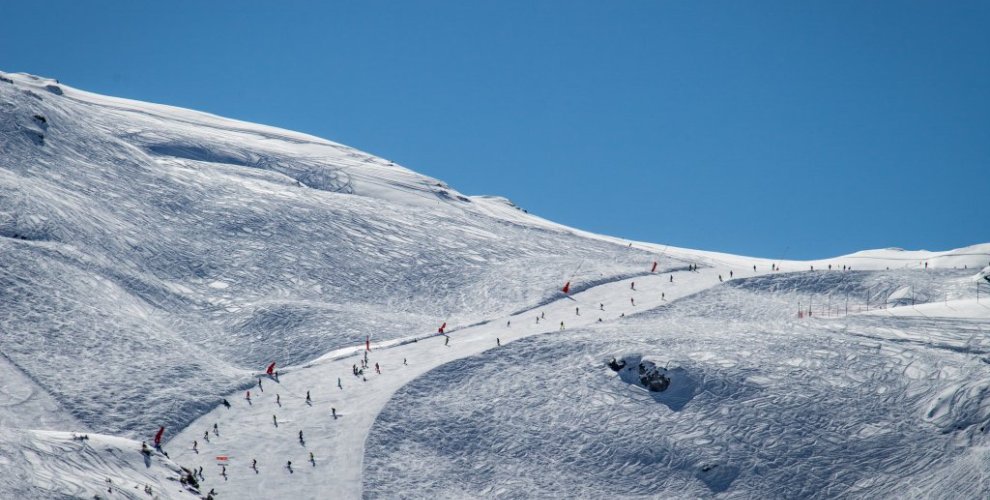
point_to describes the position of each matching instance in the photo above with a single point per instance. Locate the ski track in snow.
(153, 259)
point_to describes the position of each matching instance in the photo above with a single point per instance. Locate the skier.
(334, 411)
(288, 465)
(446, 341)
(278, 399)
(301, 437)
(312, 459)
(508, 323)
(663, 296)
(339, 384)
(537, 320)
(730, 273)
(248, 396)
(308, 400)
(632, 286)
(275, 420)
(254, 465)
(378, 369)
(498, 342)
(671, 278)
(543, 315)
(195, 446)
(632, 301)
(216, 430)
(754, 268)
(720, 278)
(561, 325)
(262, 389)
(577, 311)
(225, 403)
(601, 307)
(404, 361)
(206, 436)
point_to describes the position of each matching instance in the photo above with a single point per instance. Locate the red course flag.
(440, 330)
(567, 287)
(158, 436)
(654, 267)
(271, 369)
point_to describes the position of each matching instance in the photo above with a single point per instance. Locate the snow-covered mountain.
(153, 261)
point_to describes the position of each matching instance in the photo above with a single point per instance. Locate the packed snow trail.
(153, 258)
(769, 406)
(247, 431)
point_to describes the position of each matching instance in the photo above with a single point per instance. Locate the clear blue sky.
(773, 128)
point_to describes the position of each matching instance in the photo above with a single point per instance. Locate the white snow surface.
(153, 260)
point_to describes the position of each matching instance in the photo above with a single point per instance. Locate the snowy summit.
(193, 306)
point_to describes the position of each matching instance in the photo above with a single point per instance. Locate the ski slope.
(154, 260)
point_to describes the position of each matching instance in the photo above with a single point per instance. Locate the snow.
(154, 260)
(40, 464)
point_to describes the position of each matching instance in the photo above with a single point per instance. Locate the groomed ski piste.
(154, 261)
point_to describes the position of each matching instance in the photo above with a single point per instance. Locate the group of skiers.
(359, 371)
(226, 404)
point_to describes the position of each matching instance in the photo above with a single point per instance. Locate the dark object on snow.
(187, 477)
(616, 365)
(653, 378)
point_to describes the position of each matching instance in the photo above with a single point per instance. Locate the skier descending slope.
(158, 438)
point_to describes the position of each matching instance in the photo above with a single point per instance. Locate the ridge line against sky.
(778, 129)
